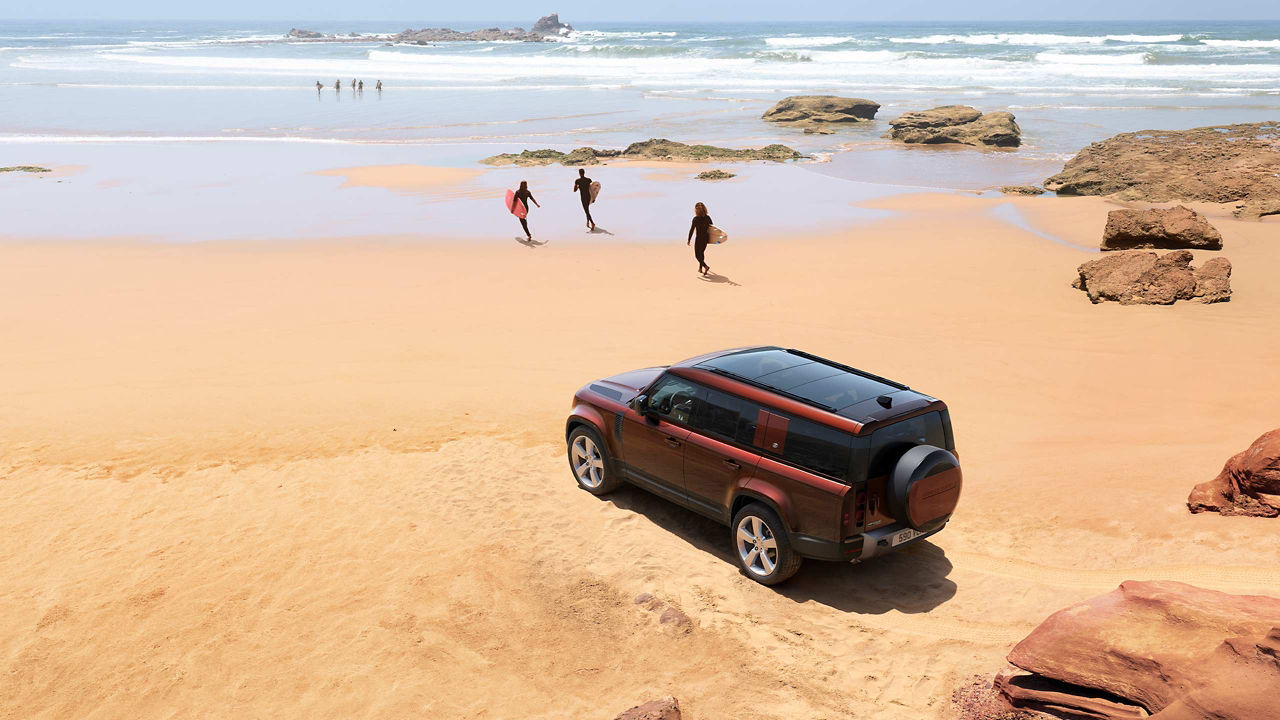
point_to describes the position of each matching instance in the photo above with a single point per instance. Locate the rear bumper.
(859, 547)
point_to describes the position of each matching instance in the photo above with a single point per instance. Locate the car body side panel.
(811, 504)
(710, 476)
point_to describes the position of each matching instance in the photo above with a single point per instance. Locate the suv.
(801, 456)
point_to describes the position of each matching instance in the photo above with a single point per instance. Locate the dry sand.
(327, 480)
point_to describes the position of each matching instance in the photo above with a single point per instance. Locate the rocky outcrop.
(1023, 190)
(1163, 649)
(815, 112)
(551, 25)
(1249, 483)
(1237, 164)
(714, 175)
(25, 169)
(657, 149)
(296, 34)
(956, 124)
(1165, 229)
(664, 709)
(1136, 277)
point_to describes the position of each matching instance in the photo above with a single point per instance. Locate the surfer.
(702, 226)
(337, 84)
(583, 186)
(379, 86)
(523, 195)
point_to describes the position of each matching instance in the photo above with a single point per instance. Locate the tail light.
(860, 509)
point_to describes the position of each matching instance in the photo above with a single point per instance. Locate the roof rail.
(772, 389)
(846, 368)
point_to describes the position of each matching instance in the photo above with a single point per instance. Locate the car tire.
(589, 462)
(761, 545)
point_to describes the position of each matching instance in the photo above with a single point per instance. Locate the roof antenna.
(885, 401)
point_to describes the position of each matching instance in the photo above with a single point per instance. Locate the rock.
(664, 709)
(25, 168)
(715, 175)
(1151, 646)
(656, 149)
(1135, 277)
(675, 617)
(1249, 483)
(432, 35)
(551, 25)
(1219, 164)
(296, 34)
(978, 699)
(815, 111)
(1023, 190)
(956, 124)
(1169, 229)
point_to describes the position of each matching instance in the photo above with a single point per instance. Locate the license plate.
(902, 536)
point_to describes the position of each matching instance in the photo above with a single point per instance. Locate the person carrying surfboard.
(702, 228)
(520, 208)
(583, 187)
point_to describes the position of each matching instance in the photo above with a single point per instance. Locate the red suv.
(801, 456)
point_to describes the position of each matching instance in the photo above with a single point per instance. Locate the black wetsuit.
(583, 186)
(701, 227)
(525, 197)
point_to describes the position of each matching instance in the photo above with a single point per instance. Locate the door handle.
(732, 464)
(673, 442)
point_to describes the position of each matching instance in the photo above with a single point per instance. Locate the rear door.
(653, 446)
(713, 466)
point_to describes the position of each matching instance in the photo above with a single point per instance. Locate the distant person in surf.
(361, 86)
(523, 195)
(583, 187)
(337, 84)
(702, 228)
(353, 83)
(319, 86)
(379, 86)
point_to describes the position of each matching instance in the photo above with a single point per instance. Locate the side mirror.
(641, 405)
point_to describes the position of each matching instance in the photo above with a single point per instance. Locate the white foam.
(1004, 39)
(804, 42)
(1144, 38)
(1241, 43)
(1074, 59)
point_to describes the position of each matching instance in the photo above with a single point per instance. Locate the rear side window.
(818, 448)
(890, 442)
(719, 415)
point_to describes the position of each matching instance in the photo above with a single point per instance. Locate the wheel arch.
(746, 496)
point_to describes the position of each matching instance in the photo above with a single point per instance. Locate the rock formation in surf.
(547, 26)
(551, 25)
(1137, 277)
(656, 149)
(714, 175)
(815, 112)
(1164, 229)
(25, 169)
(960, 124)
(1166, 650)
(1023, 190)
(1236, 164)
(1249, 483)
(296, 34)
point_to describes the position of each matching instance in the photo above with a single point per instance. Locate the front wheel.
(762, 547)
(589, 462)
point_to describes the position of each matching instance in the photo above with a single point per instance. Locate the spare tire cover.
(924, 486)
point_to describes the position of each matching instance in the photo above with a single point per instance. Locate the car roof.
(815, 382)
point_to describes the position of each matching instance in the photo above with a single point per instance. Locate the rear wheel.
(589, 462)
(761, 545)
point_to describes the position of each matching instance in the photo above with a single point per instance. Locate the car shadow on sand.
(912, 579)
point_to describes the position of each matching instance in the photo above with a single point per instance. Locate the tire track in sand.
(1226, 579)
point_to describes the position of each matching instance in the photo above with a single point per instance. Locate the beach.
(328, 477)
(283, 388)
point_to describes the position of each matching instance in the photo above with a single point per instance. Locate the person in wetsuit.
(526, 197)
(702, 227)
(583, 186)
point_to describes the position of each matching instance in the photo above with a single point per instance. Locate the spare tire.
(924, 486)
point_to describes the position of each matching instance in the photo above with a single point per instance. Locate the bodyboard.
(595, 190)
(717, 235)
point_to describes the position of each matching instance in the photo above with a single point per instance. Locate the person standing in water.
(702, 228)
(379, 86)
(583, 186)
(337, 84)
(523, 195)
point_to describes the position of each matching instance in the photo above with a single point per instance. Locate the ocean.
(90, 85)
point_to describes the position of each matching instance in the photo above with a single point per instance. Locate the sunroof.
(843, 390)
(751, 364)
(801, 376)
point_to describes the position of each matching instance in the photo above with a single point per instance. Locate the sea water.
(73, 90)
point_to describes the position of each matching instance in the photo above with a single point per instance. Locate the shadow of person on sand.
(717, 278)
(597, 230)
(530, 243)
(910, 580)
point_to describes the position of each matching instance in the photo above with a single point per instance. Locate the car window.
(889, 442)
(818, 447)
(718, 414)
(675, 399)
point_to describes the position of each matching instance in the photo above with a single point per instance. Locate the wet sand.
(326, 478)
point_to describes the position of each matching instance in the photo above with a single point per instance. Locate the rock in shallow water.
(1249, 483)
(956, 124)
(814, 111)
(1167, 229)
(1219, 164)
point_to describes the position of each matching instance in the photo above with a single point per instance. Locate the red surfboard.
(515, 207)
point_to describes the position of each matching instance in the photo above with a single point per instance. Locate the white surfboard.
(717, 235)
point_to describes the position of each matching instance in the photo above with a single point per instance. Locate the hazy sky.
(429, 12)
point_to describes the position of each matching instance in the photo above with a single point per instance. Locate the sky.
(461, 14)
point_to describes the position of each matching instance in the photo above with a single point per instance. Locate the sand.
(327, 479)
